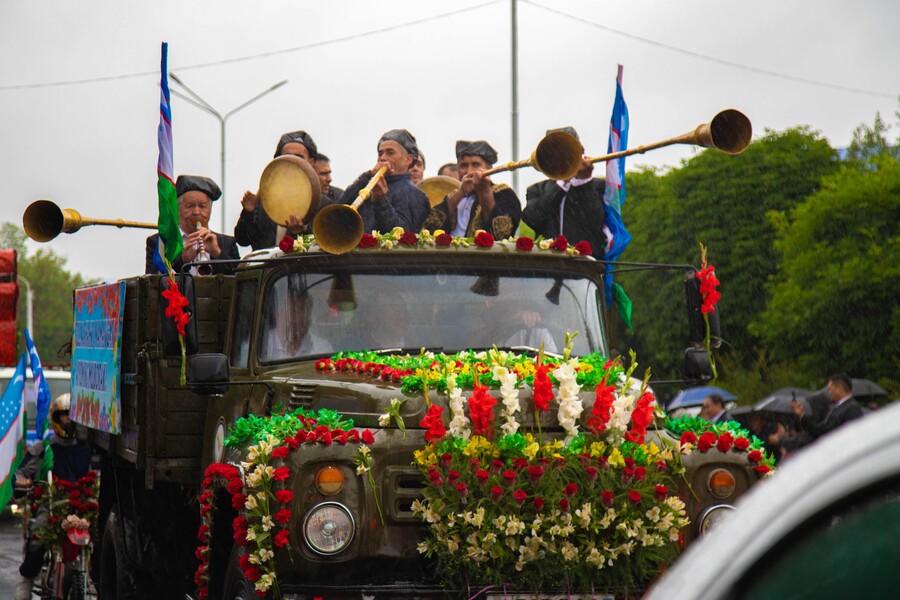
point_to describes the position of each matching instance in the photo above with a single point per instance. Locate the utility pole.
(515, 92)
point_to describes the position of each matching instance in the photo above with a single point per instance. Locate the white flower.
(545, 244)
(265, 554)
(594, 558)
(422, 547)
(361, 469)
(514, 526)
(569, 552)
(431, 516)
(251, 534)
(653, 514)
(384, 420)
(417, 507)
(459, 423)
(267, 523)
(675, 503)
(265, 582)
(452, 543)
(250, 503)
(584, 513)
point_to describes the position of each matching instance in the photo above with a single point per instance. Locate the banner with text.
(96, 351)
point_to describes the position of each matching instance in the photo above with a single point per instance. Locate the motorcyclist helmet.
(59, 407)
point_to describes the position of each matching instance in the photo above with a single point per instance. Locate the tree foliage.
(723, 202)
(833, 304)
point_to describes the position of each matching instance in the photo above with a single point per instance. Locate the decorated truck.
(421, 417)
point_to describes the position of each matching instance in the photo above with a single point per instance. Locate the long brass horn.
(339, 227)
(558, 156)
(43, 220)
(729, 131)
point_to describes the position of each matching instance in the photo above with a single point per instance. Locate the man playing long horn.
(395, 201)
(572, 208)
(478, 203)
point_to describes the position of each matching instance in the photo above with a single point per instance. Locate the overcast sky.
(79, 87)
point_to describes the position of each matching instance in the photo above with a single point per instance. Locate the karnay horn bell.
(43, 220)
(558, 156)
(438, 187)
(339, 227)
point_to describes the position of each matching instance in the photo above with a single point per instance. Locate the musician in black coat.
(572, 208)
(478, 203)
(845, 407)
(195, 197)
(395, 201)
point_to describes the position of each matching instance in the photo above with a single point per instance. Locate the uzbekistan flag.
(614, 194)
(12, 430)
(169, 233)
(41, 389)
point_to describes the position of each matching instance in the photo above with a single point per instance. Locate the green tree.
(833, 304)
(723, 202)
(51, 286)
(869, 142)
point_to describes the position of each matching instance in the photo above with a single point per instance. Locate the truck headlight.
(328, 528)
(712, 516)
(720, 483)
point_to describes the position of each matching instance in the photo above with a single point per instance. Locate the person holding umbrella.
(844, 408)
(714, 409)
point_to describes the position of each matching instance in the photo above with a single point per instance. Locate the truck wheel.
(236, 585)
(116, 583)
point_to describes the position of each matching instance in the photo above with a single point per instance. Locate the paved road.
(10, 553)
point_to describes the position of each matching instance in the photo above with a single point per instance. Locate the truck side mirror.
(696, 322)
(696, 365)
(168, 333)
(208, 374)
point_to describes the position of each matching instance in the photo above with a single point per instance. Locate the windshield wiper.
(409, 350)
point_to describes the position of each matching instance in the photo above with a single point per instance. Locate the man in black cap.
(572, 208)
(395, 201)
(195, 197)
(254, 227)
(477, 204)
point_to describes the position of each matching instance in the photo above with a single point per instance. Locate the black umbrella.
(779, 401)
(865, 387)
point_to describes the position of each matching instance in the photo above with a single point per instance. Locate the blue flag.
(12, 430)
(41, 389)
(614, 194)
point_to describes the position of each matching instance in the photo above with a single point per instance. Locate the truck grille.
(302, 395)
(405, 485)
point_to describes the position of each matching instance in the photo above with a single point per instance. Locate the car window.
(852, 551)
(245, 301)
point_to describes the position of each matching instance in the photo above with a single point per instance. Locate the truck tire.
(115, 582)
(76, 586)
(236, 585)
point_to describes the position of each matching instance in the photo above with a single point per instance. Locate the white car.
(58, 381)
(826, 525)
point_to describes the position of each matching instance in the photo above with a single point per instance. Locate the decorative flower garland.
(68, 505)
(260, 489)
(176, 303)
(698, 433)
(434, 370)
(398, 238)
(580, 506)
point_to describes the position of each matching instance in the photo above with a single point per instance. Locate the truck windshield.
(315, 313)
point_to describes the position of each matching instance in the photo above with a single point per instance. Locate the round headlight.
(720, 483)
(329, 481)
(328, 528)
(712, 516)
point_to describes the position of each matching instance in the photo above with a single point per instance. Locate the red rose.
(606, 497)
(239, 523)
(762, 469)
(535, 473)
(754, 456)
(368, 437)
(280, 452)
(252, 574)
(640, 473)
(661, 492)
(634, 496)
(706, 441)
(741, 443)
(462, 489)
(244, 562)
(538, 503)
(584, 248)
(281, 539)
(240, 537)
(326, 438)
(519, 463)
(571, 489)
(482, 475)
(509, 477)
(591, 472)
(474, 464)
(724, 442)
(520, 497)
(564, 504)
(688, 437)
(524, 243)
(453, 477)
(282, 516)
(496, 493)
(483, 239)
(446, 459)
(560, 243)
(286, 244)
(444, 239)
(235, 486)
(409, 238)
(496, 466)
(281, 473)
(368, 241)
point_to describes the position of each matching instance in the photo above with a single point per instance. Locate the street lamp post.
(203, 105)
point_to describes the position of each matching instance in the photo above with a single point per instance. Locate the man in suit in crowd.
(195, 197)
(844, 407)
(714, 409)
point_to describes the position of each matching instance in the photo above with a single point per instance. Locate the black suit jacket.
(836, 417)
(226, 244)
(725, 416)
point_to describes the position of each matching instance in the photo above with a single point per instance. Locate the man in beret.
(254, 227)
(477, 204)
(195, 197)
(395, 201)
(572, 208)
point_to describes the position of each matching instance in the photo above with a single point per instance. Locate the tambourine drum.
(438, 187)
(289, 186)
